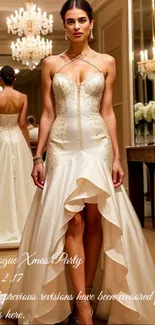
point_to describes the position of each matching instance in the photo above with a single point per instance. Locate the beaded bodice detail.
(78, 125)
(9, 121)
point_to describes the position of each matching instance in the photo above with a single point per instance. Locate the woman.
(82, 230)
(17, 189)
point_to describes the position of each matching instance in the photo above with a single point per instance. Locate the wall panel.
(112, 38)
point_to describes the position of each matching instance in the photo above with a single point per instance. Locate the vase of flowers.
(144, 123)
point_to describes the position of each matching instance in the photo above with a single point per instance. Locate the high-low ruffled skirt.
(125, 269)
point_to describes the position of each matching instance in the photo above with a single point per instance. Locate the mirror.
(144, 88)
(28, 82)
(15, 157)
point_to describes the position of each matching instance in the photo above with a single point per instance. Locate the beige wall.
(112, 38)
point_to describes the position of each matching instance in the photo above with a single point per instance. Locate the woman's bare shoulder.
(20, 94)
(104, 61)
(52, 63)
(50, 59)
(14, 93)
(106, 58)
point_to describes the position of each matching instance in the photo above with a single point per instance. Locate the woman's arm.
(47, 118)
(108, 115)
(23, 121)
(48, 113)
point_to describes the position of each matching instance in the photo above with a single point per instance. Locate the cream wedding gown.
(78, 170)
(17, 187)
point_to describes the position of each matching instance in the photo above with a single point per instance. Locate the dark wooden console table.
(136, 156)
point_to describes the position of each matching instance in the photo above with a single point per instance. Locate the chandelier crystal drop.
(30, 21)
(30, 50)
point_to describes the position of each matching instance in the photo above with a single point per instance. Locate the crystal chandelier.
(147, 67)
(30, 21)
(31, 48)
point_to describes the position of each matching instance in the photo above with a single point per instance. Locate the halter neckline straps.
(79, 58)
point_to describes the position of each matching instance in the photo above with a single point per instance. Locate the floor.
(148, 223)
(149, 234)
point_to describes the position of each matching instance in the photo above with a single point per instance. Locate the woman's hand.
(37, 175)
(117, 173)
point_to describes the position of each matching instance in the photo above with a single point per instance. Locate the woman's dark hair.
(80, 4)
(8, 75)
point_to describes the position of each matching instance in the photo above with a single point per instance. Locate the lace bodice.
(78, 125)
(9, 120)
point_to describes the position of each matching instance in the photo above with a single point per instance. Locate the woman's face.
(77, 25)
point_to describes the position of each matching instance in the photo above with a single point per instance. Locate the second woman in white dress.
(17, 187)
